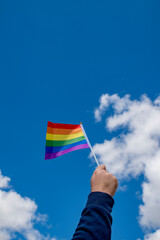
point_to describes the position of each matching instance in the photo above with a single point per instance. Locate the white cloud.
(18, 214)
(153, 236)
(4, 181)
(136, 150)
(5, 235)
(105, 100)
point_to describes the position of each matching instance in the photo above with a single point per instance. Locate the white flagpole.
(89, 143)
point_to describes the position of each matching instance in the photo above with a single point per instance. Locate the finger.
(101, 167)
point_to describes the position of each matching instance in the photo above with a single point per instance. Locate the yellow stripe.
(59, 137)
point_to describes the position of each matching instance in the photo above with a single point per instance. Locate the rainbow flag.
(63, 138)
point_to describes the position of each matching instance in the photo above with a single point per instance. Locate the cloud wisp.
(18, 214)
(135, 151)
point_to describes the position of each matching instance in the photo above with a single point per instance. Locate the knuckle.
(110, 175)
(94, 174)
(103, 166)
(115, 180)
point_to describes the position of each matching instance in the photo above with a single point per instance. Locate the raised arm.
(95, 222)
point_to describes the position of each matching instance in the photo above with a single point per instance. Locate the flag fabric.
(63, 138)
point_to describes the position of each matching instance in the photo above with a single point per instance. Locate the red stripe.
(63, 126)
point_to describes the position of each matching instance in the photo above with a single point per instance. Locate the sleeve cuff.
(100, 199)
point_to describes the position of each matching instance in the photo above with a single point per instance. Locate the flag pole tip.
(80, 122)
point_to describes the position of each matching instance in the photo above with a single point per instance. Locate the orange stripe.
(63, 131)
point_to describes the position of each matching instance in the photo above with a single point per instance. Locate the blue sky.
(56, 59)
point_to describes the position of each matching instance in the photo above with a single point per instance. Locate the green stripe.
(50, 143)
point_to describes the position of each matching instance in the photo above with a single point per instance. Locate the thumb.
(101, 167)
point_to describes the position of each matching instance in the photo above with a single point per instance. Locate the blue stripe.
(61, 148)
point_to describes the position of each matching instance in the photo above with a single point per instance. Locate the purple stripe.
(57, 154)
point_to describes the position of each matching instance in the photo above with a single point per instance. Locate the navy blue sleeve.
(95, 222)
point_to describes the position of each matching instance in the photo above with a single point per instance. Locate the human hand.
(103, 181)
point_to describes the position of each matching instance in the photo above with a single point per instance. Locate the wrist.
(103, 191)
(100, 199)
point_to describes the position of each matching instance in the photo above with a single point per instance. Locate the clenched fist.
(103, 181)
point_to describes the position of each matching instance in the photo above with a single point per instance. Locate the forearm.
(96, 220)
